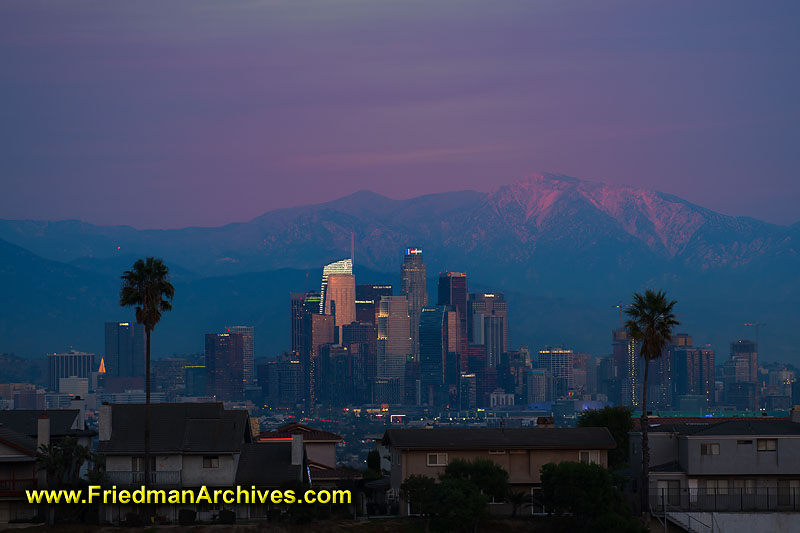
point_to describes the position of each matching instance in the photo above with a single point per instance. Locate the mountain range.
(564, 250)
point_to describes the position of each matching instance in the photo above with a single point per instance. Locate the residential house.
(520, 451)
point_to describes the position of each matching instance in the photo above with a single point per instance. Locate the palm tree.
(650, 324)
(147, 287)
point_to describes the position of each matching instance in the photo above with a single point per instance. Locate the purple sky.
(167, 114)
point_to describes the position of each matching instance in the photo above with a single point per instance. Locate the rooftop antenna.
(353, 247)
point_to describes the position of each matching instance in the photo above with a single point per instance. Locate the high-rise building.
(125, 350)
(413, 286)
(285, 381)
(319, 330)
(558, 363)
(494, 338)
(345, 266)
(488, 304)
(453, 292)
(394, 343)
(746, 352)
(340, 300)
(692, 370)
(68, 364)
(627, 366)
(247, 333)
(224, 370)
(367, 298)
(195, 377)
(433, 354)
(302, 304)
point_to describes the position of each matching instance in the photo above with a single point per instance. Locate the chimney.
(104, 422)
(796, 413)
(297, 449)
(42, 431)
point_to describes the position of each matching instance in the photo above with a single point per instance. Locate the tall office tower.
(247, 362)
(319, 330)
(394, 343)
(64, 365)
(224, 370)
(747, 352)
(340, 300)
(692, 370)
(558, 362)
(345, 266)
(364, 335)
(538, 385)
(432, 354)
(367, 298)
(336, 386)
(125, 350)
(488, 304)
(413, 286)
(195, 377)
(285, 381)
(302, 304)
(494, 338)
(453, 292)
(628, 368)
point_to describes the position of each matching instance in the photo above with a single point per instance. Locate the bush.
(186, 517)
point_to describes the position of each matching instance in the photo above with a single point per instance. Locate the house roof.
(731, 427)
(177, 428)
(268, 465)
(22, 443)
(658, 421)
(309, 434)
(466, 438)
(25, 421)
(751, 428)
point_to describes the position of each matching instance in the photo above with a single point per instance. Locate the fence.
(721, 499)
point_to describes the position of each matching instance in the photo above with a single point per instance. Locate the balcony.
(16, 487)
(159, 478)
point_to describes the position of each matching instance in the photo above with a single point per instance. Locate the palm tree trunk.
(147, 416)
(645, 488)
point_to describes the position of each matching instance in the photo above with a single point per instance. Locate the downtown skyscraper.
(394, 347)
(413, 286)
(247, 332)
(224, 370)
(125, 350)
(452, 291)
(338, 294)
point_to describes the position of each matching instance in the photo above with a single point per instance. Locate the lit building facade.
(413, 279)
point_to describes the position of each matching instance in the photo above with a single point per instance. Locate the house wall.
(193, 474)
(523, 466)
(741, 459)
(321, 452)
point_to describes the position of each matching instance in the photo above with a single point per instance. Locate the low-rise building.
(520, 451)
(736, 465)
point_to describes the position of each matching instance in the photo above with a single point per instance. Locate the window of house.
(211, 461)
(398, 458)
(589, 456)
(138, 464)
(669, 492)
(744, 486)
(497, 452)
(716, 486)
(712, 448)
(788, 491)
(767, 445)
(437, 459)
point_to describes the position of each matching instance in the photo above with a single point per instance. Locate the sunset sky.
(168, 114)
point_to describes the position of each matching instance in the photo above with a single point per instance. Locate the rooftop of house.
(657, 421)
(176, 428)
(63, 422)
(496, 438)
(309, 434)
(269, 465)
(731, 427)
(22, 443)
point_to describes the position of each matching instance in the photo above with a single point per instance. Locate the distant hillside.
(564, 250)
